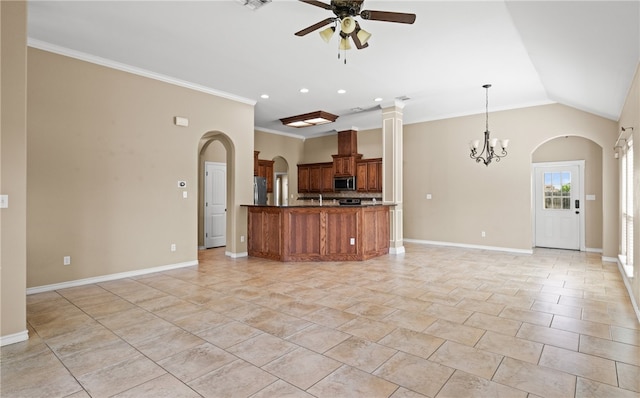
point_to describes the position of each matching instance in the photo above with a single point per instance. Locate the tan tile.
(494, 323)
(140, 331)
(509, 346)
(523, 315)
(412, 342)
(367, 329)
(557, 309)
(538, 380)
(410, 320)
(329, 317)
(406, 393)
(583, 327)
(19, 379)
(513, 301)
(165, 345)
(318, 338)
(550, 336)
(579, 364)
(277, 324)
(302, 368)
(480, 306)
(628, 376)
(410, 304)
(359, 353)
(229, 334)
(409, 371)
(236, 379)
(165, 386)
(625, 335)
(120, 377)
(605, 348)
(351, 382)
(197, 361)
(453, 331)
(471, 360)
(261, 349)
(201, 320)
(593, 389)
(463, 384)
(281, 388)
(99, 357)
(448, 313)
(371, 311)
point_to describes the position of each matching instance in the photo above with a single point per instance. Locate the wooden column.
(392, 171)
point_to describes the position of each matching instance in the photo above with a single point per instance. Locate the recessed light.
(304, 90)
(378, 99)
(342, 91)
(264, 96)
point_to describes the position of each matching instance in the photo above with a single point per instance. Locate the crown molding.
(45, 46)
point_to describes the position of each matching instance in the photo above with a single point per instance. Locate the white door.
(558, 205)
(215, 204)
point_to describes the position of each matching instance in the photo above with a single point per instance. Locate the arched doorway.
(280, 181)
(566, 151)
(215, 152)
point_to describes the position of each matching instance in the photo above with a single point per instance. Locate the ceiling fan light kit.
(345, 12)
(309, 119)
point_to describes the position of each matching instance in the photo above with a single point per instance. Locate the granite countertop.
(328, 203)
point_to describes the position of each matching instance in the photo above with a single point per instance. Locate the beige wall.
(630, 117)
(289, 148)
(578, 148)
(104, 161)
(13, 170)
(468, 198)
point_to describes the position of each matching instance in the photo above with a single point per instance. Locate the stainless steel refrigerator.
(259, 191)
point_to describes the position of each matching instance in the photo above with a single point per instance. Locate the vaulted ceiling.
(579, 53)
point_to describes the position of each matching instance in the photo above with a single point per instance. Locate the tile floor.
(434, 322)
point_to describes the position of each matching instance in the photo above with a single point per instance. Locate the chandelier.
(490, 150)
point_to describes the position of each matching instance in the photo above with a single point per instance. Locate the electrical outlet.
(173, 247)
(352, 241)
(241, 238)
(483, 234)
(66, 260)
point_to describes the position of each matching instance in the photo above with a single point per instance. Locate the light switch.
(184, 194)
(429, 196)
(591, 197)
(181, 121)
(4, 201)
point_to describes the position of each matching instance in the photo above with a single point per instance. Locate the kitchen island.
(318, 232)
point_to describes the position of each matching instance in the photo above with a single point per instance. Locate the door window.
(557, 190)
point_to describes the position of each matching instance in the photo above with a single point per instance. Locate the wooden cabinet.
(315, 178)
(345, 166)
(303, 178)
(318, 233)
(369, 175)
(263, 168)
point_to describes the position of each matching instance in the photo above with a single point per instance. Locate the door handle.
(577, 203)
(577, 212)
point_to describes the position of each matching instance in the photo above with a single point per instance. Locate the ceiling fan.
(345, 11)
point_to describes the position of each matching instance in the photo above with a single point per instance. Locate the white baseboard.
(14, 338)
(397, 250)
(592, 250)
(467, 246)
(627, 284)
(236, 255)
(105, 278)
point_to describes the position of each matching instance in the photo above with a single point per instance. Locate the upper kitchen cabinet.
(263, 168)
(369, 175)
(315, 178)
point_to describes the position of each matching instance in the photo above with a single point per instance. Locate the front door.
(215, 204)
(558, 205)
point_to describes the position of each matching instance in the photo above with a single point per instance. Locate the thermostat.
(182, 184)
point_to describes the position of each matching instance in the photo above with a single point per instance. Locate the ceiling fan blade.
(317, 4)
(314, 27)
(388, 16)
(356, 39)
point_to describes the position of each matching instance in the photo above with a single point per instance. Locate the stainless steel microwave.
(344, 183)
